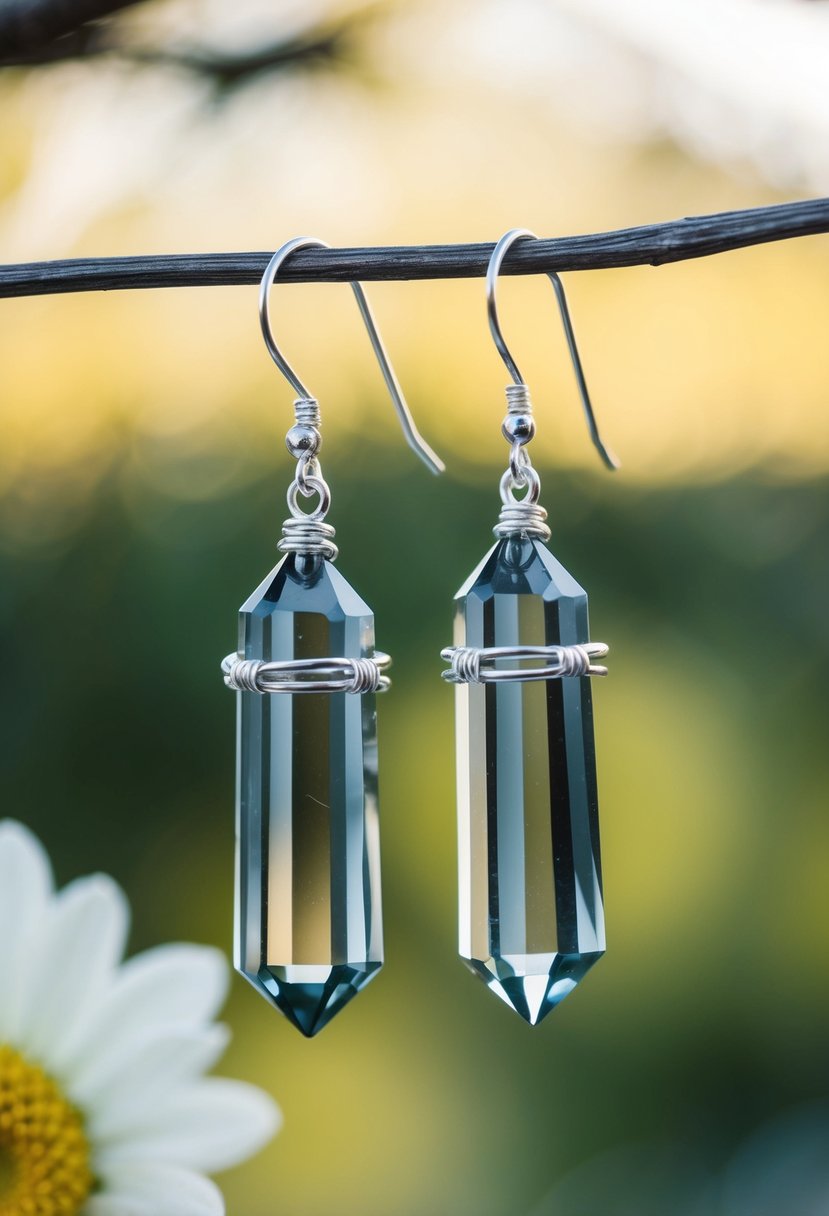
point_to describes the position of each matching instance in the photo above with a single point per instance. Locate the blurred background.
(142, 474)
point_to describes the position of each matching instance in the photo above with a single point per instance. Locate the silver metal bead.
(303, 440)
(518, 428)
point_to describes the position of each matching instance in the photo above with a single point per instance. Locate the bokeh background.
(142, 474)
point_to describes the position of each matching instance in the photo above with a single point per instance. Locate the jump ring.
(509, 485)
(314, 485)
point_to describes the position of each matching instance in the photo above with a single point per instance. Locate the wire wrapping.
(306, 532)
(474, 665)
(323, 675)
(520, 516)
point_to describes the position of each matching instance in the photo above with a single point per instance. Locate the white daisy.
(104, 1108)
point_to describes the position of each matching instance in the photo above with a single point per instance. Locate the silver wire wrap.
(307, 675)
(307, 412)
(306, 532)
(470, 665)
(520, 516)
(518, 399)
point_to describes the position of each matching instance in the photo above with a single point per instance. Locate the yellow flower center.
(44, 1155)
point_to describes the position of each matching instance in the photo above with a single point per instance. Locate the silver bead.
(518, 428)
(303, 440)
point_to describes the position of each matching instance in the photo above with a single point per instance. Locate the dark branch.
(326, 47)
(29, 26)
(43, 31)
(34, 33)
(652, 245)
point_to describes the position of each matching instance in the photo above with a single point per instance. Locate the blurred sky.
(142, 469)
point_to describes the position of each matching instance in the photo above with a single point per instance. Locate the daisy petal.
(25, 888)
(123, 1090)
(210, 1125)
(149, 1190)
(178, 984)
(80, 941)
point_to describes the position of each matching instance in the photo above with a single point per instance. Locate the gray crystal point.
(531, 914)
(308, 932)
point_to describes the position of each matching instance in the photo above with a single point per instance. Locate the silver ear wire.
(498, 254)
(413, 437)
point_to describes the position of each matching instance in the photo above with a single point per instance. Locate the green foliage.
(709, 1010)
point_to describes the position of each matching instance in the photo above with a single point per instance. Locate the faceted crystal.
(308, 917)
(531, 914)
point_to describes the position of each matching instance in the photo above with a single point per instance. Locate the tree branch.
(327, 46)
(35, 33)
(651, 245)
(28, 26)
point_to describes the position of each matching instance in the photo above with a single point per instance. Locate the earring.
(308, 924)
(530, 888)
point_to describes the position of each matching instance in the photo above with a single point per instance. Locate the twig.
(653, 245)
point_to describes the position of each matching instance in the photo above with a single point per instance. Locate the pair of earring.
(308, 932)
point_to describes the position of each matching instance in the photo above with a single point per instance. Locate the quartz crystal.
(531, 914)
(308, 918)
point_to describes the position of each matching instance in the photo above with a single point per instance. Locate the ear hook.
(413, 437)
(495, 262)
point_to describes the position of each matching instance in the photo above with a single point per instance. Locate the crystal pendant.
(308, 932)
(531, 914)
